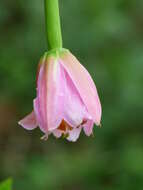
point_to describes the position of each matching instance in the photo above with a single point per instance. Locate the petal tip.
(29, 122)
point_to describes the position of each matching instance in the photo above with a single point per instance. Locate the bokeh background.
(107, 37)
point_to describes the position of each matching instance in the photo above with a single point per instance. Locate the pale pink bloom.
(67, 100)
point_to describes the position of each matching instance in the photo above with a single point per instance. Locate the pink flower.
(67, 100)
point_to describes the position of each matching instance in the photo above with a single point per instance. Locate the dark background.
(107, 37)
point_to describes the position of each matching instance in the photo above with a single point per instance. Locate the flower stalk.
(53, 26)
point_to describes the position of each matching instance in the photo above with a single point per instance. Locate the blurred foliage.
(107, 37)
(6, 185)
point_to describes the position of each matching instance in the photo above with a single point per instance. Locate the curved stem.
(53, 27)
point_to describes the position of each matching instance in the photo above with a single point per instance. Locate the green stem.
(53, 27)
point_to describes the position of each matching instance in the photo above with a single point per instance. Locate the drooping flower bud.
(67, 100)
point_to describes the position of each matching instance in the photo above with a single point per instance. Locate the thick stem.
(53, 27)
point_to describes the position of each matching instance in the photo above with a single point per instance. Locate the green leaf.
(6, 185)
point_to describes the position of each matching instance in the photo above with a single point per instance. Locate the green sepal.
(56, 53)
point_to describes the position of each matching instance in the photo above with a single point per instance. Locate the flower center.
(64, 126)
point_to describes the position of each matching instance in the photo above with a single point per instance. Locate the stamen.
(64, 126)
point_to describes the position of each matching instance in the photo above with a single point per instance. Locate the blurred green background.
(107, 37)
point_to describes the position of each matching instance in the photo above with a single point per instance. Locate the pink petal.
(48, 103)
(57, 133)
(38, 115)
(29, 122)
(88, 127)
(84, 84)
(39, 105)
(42, 61)
(74, 134)
(73, 107)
